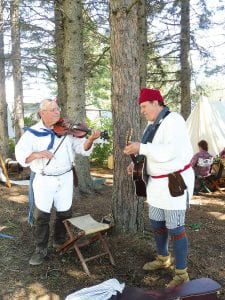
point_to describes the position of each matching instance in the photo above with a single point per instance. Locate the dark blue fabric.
(45, 132)
(180, 248)
(161, 240)
(31, 198)
(151, 129)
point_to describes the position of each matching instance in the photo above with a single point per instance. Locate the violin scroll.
(104, 135)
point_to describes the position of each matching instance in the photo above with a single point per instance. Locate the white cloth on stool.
(102, 291)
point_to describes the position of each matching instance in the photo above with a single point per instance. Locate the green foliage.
(216, 159)
(102, 151)
(100, 154)
(11, 148)
(30, 120)
(97, 61)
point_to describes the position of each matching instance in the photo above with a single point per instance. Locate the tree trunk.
(185, 75)
(59, 43)
(125, 60)
(16, 64)
(73, 54)
(3, 105)
(142, 28)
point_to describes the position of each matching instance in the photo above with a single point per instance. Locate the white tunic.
(169, 151)
(49, 190)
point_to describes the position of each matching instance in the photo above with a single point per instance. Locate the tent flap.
(207, 122)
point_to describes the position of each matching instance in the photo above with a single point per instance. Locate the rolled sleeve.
(78, 146)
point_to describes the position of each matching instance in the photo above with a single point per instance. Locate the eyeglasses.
(53, 109)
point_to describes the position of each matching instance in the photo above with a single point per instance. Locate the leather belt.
(179, 171)
(44, 174)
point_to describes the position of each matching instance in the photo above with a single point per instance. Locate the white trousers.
(54, 191)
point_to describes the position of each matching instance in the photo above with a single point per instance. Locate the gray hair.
(44, 103)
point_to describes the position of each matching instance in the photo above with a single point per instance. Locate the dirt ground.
(61, 275)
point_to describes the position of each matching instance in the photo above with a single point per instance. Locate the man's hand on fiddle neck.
(95, 134)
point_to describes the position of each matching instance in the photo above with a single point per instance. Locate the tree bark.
(125, 61)
(16, 64)
(142, 28)
(59, 43)
(185, 75)
(73, 67)
(3, 105)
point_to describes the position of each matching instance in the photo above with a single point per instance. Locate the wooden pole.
(8, 183)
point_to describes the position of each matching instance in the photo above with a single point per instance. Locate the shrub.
(30, 120)
(102, 150)
(11, 148)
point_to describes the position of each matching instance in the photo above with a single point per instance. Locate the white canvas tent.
(207, 122)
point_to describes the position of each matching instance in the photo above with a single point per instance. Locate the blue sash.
(152, 128)
(45, 132)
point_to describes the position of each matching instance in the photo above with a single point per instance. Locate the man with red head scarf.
(168, 151)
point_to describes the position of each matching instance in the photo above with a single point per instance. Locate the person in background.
(201, 162)
(167, 148)
(53, 180)
(222, 153)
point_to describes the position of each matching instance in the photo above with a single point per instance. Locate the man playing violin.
(53, 180)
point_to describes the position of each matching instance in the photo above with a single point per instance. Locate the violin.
(65, 127)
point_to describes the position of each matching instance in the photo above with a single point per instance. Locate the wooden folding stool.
(83, 231)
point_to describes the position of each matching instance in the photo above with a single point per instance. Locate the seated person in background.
(222, 153)
(201, 163)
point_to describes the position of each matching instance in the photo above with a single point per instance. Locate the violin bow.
(57, 148)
